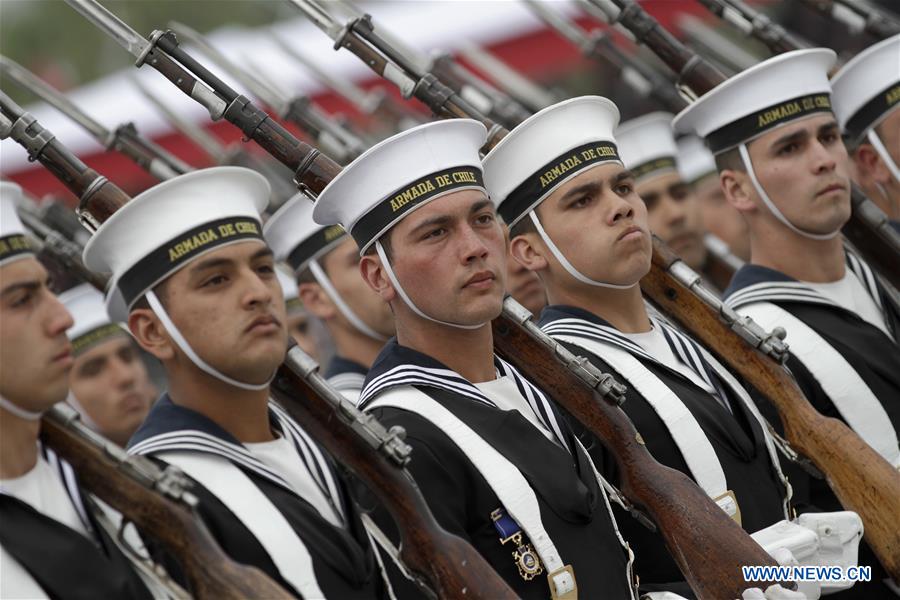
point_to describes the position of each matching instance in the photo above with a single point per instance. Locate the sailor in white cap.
(579, 222)
(866, 97)
(326, 262)
(196, 282)
(108, 385)
(783, 165)
(698, 168)
(647, 147)
(305, 330)
(434, 249)
(50, 543)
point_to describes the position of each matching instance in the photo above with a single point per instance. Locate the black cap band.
(95, 336)
(552, 174)
(183, 248)
(401, 201)
(312, 246)
(756, 123)
(14, 245)
(871, 111)
(663, 163)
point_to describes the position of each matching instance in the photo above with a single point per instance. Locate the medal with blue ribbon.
(527, 560)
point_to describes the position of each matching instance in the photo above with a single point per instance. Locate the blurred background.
(51, 40)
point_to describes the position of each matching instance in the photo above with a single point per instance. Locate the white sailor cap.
(92, 323)
(174, 222)
(647, 145)
(695, 161)
(548, 149)
(867, 88)
(401, 174)
(13, 242)
(777, 91)
(295, 238)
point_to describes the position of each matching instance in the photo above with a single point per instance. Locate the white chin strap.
(19, 411)
(396, 283)
(345, 309)
(567, 265)
(883, 153)
(182, 343)
(745, 157)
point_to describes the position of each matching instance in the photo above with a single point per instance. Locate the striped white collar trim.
(445, 379)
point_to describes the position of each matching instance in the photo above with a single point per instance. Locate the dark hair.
(162, 292)
(731, 160)
(525, 225)
(385, 240)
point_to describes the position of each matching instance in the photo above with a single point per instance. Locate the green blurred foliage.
(51, 39)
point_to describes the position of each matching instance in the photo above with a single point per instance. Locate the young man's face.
(111, 384)
(599, 223)
(720, 218)
(229, 306)
(450, 258)
(804, 168)
(341, 265)
(674, 215)
(35, 354)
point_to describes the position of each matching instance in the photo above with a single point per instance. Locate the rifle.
(376, 456)
(598, 46)
(374, 102)
(125, 138)
(277, 176)
(331, 137)
(530, 95)
(862, 480)
(858, 17)
(752, 22)
(157, 501)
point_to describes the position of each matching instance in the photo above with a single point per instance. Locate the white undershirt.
(654, 343)
(847, 292)
(505, 394)
(281, 456)
(42, 489)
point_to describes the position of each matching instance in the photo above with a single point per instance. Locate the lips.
(263, 324)
(481, 279)
(629, 233)
(64, 357)
(832, 188)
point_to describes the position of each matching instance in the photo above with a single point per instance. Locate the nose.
(58, 318)
(472, 245)
(621, 210)
(125, 374)
(823, 158)
(258, 290)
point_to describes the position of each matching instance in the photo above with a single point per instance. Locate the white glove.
(774, 592)
(662, 596)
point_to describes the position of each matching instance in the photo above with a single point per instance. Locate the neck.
(623, 309)
(886, 197)
(469, 352)
(816, 261)
(18, 445)
(242, 413)
(355, 345)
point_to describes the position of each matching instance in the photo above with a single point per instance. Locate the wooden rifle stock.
(708, 546)
(862, 480)
(210, 572)
(98, 197)
(446, 564)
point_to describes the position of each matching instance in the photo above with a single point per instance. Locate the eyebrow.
(212, 263)
(22, 285)
(445, 219)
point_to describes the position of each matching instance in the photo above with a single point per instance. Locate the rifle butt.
(862, 479)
